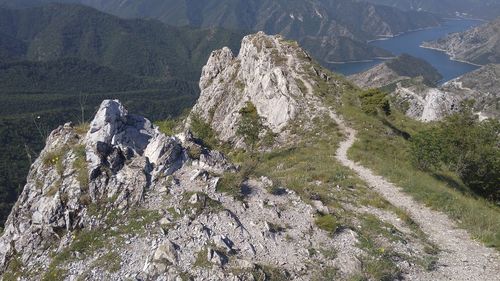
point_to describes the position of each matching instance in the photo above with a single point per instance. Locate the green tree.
(466, 145)
(427, 149)
(249, 125)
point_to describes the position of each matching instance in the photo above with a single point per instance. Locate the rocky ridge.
(265, 73)
(425, 102)
(479, 45)
(122, 200)
(429, 104)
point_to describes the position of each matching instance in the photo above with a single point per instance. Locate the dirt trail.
(460, 258)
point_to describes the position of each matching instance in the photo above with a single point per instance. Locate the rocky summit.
(121, 182)
(247, 187)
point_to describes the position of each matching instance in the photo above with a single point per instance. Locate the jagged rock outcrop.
(479, 45)
(429, 104)
(425, 101)
(112, 164)
(124, 201)
(122, 164)
(265, 73)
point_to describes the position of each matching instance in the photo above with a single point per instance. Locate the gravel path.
(460, 258)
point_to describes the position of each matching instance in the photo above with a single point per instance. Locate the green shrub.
(327, 223)
(230, 183)
(202, 130)
(373, 101)
(426, 149)
(55, 159)
(250, 124)
(465, 145)
(167, 126)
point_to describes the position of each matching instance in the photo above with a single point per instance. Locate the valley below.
(249, 140)
(411, 43)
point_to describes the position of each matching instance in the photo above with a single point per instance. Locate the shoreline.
(382, 38)
(387, 37)
(450, 55)
(361, 61)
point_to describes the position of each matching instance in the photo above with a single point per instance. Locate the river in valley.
(410, 42)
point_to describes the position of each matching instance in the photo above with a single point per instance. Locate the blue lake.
(409, 43)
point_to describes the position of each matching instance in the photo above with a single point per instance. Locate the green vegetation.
(80, 165)
(250, 125)
(14, 269)
(202, 131)
(327, 223)
(55, 159)
(88, 242)
(406, 65)
(167, 126)
(109, 261)
(384, 146)
(374, 101)
(202, 259)
(466, 146)
(231, 183)
(327, 274)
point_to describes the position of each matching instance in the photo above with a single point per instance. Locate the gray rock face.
(125, 201)
(430, 104)
(426, 103)
(116, 161)
(376, 77)
(262, 74)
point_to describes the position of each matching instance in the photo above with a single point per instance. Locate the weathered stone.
(255, 75)
(166, 253)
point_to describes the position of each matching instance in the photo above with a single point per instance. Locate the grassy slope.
(386, 151)
(308, 167)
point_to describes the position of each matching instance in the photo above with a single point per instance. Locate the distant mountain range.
(485, 9)
(145, 48)
(332, 30)
(479, 45)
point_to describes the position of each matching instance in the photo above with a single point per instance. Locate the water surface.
(410, 43)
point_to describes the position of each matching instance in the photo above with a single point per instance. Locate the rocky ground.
(121, 200)
(427, 102)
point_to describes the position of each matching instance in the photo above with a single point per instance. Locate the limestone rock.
(166, 252)
(260, 74)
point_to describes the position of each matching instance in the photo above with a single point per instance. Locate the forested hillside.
(332, 30)
(56, 60)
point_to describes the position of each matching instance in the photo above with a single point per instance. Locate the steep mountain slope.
(485, 9)
(309, 22)
(56, 59)
(426, 102)
(121, 199)
(138, 47)
(480, 45)
(401, 68)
